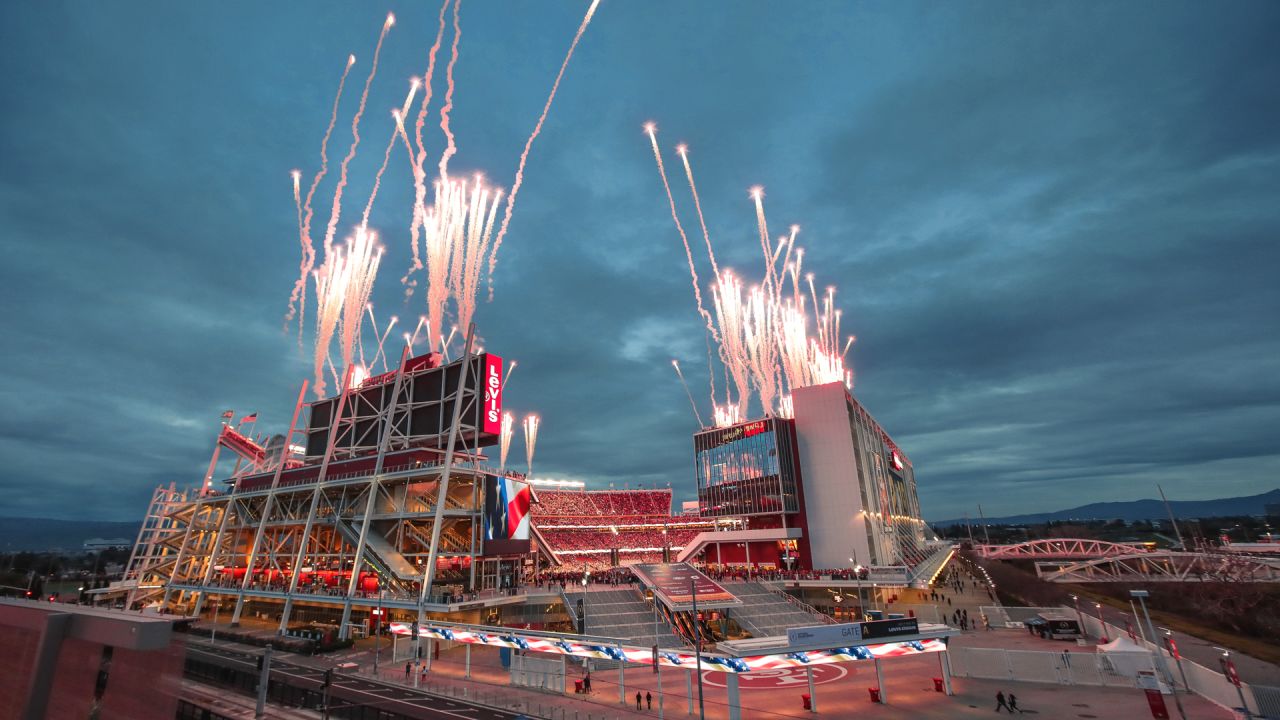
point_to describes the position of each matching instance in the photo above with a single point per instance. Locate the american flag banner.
(562, 646)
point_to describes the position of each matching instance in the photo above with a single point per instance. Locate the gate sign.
(834, 635)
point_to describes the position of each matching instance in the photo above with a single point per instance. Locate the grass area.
(1260, 649)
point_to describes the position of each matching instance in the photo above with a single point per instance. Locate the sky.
(1054, 228)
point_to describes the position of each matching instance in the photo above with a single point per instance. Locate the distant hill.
(38, 534)
(1152, 509)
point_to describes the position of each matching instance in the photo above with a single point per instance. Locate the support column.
(735, 704)
(622, 682)
(267, 506)
(213, 554)
(813, 697)
(688, 689)
(305, 540)
(884, 700)
(45, 666)
(434, 551)
(429, 653)
(467, 671)
(944, 659)
(375, 483)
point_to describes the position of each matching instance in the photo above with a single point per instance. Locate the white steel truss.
(1058, 549)
(1164, 567)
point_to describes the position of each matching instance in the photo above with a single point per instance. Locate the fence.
(1205, 682)
(1061, 668)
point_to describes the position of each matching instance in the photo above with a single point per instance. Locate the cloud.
(1052, 227)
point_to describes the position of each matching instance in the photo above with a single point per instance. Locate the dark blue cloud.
(1053, 227)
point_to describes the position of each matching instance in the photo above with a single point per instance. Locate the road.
(354, 690)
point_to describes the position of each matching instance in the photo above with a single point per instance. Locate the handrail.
(827, 619)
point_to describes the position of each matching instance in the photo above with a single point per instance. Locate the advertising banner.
(491, 413)
(674, 584)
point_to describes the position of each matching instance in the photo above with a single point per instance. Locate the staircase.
(623, 614)
(765, 613)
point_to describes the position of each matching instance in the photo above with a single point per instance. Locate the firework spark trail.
(524, 156)
(307, 263)
(377, 178)
(381, 353)
(530, 439)
(299, 285)
(507, 375)
(451, 148)
(417, 158)
(504, 440)
(757, 194)
(336, 211)
(396, 131)
(697, 204)
(413, 338)
(676, 364)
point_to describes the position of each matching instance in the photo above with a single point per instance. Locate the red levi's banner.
(492, 382)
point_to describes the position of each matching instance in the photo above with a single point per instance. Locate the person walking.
(1013, 704)
(1000, 703)
(648, 699)
(408, 667)
(638, 701)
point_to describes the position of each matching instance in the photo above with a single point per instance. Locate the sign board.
(834, 635)
(852, 633)
(675, 582)
(890, 628)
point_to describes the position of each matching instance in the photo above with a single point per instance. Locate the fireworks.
(451, 238)
(765, 341)
(504, 440)
(530, 439)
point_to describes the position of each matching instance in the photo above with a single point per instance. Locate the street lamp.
(1142, 596)
(1102, 624)
(1172, 647)
(1229, 672)
(377, 638)
(1080, 616)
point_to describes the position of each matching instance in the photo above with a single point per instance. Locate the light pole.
(1142, 596)
(1080, 616)
(377, 637)
(697, 629)
(1172, 647)
(1229, 672)
(1102, 624)
(586, 577)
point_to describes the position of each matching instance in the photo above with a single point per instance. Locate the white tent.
(1123, 656)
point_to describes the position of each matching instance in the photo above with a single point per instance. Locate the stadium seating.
(583, 527)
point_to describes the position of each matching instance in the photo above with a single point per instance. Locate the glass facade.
(747, 469)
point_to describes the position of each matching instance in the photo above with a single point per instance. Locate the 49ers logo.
(492, 394)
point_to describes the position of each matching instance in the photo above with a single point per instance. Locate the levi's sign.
(492, 394)
(833, 635)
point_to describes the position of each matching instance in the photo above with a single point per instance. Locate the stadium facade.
(378, 505)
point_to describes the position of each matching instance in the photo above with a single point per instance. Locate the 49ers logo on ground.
(780, 679)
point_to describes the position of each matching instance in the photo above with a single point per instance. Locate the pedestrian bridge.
(1061, 549)
(1164, 566)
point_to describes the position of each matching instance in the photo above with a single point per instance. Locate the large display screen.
(506, 516)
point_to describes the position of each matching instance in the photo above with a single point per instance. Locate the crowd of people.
(608, 503)
(583, 526)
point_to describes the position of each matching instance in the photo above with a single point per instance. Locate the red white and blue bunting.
(667, 658)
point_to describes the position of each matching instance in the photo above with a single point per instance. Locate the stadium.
(392, 512)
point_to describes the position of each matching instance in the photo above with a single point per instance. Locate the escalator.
(385, 559)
